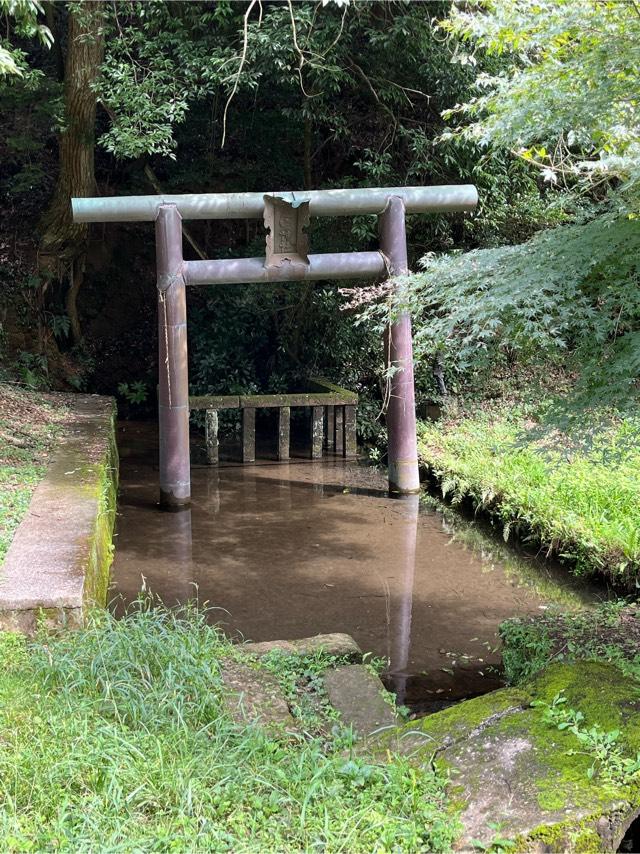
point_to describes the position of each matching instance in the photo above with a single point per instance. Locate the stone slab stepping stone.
(358, 695)
(336, 643)
(254, 697)
(516, 776)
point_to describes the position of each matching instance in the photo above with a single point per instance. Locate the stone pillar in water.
(401, 408)
(173, 378)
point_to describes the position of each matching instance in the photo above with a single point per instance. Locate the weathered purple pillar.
(401, 409)
(401, 605)
(173, 379)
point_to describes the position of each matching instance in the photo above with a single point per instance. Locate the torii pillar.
(401, 408)
(173, 376)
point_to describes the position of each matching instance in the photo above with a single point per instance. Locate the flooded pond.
(287, 550)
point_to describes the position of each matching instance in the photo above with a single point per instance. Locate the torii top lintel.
(348, 202)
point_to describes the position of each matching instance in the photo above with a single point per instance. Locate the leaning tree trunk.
(63, 243)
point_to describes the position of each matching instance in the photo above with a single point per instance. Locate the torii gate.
(286, 216)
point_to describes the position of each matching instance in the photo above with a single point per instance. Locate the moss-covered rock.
(514, 774)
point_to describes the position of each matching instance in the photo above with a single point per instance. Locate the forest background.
(535, 295)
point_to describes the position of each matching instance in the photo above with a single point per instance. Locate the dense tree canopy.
(534, 102)
(568, 99)
(21, 18)
(563, 99)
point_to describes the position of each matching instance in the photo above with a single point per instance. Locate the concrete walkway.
(58, 563)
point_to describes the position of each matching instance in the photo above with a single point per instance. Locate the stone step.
(254, 697)
(358, 695)
(336, 643)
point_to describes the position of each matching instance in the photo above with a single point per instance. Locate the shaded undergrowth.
(29, 424)
(609, 633)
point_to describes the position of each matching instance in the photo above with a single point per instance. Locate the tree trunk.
(63, 242)
(438, 374)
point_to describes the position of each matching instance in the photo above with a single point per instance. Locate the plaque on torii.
(287, 240)
(287, 258)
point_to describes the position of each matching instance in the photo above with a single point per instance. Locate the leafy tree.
(562, 95)
(569, 296)
(20, 19)
(568, 100)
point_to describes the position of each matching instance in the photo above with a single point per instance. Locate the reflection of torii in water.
(287, 259)
(400, 606)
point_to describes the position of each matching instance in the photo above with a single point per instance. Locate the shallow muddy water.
(286, 550)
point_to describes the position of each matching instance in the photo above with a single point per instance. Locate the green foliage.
(300, 678)
(581, 504)
(120, 739)
(32, 370)
(135, 392)
(272, 340)
(608, 759)
(568, 98)
(20, 21)
(570, 295)
(497, 844)
(526, 650)
(60, 325)
(13, 651)
(161, 58)
(607, 633)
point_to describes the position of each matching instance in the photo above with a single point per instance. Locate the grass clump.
(29, 424)
(582, 504)
(115, 738)
(608, 634)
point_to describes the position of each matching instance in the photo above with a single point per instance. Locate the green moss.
(562, 837)
(586, 840)
(104, 486)
(551, 800)
(600, 691)
(434, 733)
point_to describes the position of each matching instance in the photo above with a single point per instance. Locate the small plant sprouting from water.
(603, 748)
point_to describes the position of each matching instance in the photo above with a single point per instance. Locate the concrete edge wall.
(57, 567)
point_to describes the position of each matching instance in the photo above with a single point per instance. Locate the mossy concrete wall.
(57, 566)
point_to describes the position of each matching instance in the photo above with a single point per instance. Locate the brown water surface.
(287, 550)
